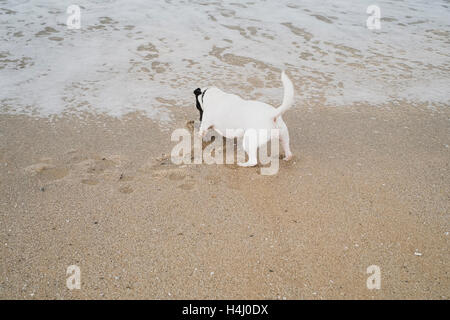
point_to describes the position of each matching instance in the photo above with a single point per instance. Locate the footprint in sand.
(91, 182)
(98, 169)
(186, 186)
(163, 168)
(95, 165)
(176, 176)
(46, 171)
(126, 189)
(157, 165)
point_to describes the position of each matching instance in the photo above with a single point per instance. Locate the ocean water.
(148, 56)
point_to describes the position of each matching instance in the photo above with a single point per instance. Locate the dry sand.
(367, 186)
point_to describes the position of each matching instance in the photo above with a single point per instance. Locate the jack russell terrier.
(233, 117)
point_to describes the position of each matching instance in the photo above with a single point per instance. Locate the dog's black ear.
(198, 92)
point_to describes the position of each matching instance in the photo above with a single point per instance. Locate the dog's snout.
(197, 91)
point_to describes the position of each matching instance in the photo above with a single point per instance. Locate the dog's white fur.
(232, 117)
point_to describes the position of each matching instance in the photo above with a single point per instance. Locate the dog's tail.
(288, 97)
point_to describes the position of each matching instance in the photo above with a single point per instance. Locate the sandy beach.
(86, 177)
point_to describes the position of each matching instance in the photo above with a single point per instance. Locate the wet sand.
(367, 186)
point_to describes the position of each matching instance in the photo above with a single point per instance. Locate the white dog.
(232, 117)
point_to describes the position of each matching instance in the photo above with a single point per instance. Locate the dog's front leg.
(204, 126)
(202, 132)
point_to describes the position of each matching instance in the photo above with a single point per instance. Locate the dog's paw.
(288, 157)
(247, 164)
(202, 133)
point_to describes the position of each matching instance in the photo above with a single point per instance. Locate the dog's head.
(198, 103)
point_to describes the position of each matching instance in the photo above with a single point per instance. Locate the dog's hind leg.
(284, 137)
(250, 144)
